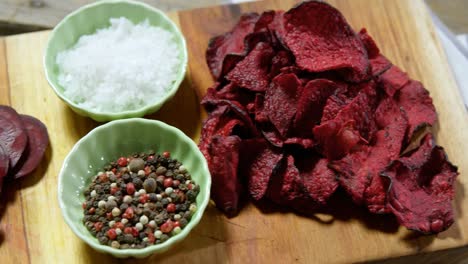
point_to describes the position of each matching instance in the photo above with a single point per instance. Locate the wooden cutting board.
(33, 231)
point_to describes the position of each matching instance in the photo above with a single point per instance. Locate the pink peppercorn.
(171, 208)
(111, 234)
(166, 154)
(167, 226)
(167, 182)
(122, 161)
(130, 188)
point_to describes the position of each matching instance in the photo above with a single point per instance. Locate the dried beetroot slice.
(394, 122)
(287, 186)
(38, 140)
(12, 134)
(305, 143)
(369, 44)
(215, 120)
(333, 106)
(261, 168)
(422, 189)
(351, 125)
(229, 43)
(417, 102)
(252, 72)
(393, 80)
(281, 101)
(321, 40)
(281, 59)
(259, 103)
(226, 188)
(310, 105)
(319, 180)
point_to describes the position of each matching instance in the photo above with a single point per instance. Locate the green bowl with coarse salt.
(119, 138)
(85, 21)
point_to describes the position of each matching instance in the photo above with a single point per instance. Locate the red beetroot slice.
(215, 120)
(229, 43)
(321, 40)
(12, 134)
(281, 101)
(310, 105)
(226, 188)
(262, 167)
(281, 59)
(358, 171)
(351, 125)
(287, 186)
(38, 140)
(393, 80)
(319, 180)
(417, 102)
(394, 122)
(425, 176)
(252, 72)
(333, 106)
(4, 164)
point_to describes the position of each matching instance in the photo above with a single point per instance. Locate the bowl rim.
(153, 248)
(103, 115)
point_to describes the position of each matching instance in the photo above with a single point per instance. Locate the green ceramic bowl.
(124, 137)
(85, 21)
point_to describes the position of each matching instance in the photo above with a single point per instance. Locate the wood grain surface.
(33, 231)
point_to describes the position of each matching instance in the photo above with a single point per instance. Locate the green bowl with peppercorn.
(106, 148)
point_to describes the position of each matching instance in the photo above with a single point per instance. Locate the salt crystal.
(123, 67)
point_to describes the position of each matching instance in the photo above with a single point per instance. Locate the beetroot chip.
(393, 80)
(215, 120)
(260, 115)
(38, 140)
(333, 106)
(416, 101)
(359, 171)
(318, 179)
(226, 188)
(422, 188)
(287, 186)
(351, 125)
(321, 40)
(12, 134)
(394, 122)
(252, 72)
(261, 168)
(279, 61)
(310, 105)
(230, 43)
(369, 44)
(305, 143)
(281, 101)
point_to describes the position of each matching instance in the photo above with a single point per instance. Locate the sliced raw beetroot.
(229, 43)
(417, 102)
(281, 101)
(310, 105)
(38, 140)
(12, 134)
(318, 179)
(393, 80)
(226, 188)
(4, 164)
(351, 125)
(252, 72)
(321, 40)
(261, 168)
(425, 176)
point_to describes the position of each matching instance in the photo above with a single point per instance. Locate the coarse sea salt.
(120, 68)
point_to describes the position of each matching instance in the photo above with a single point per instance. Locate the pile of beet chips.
(304, 105)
